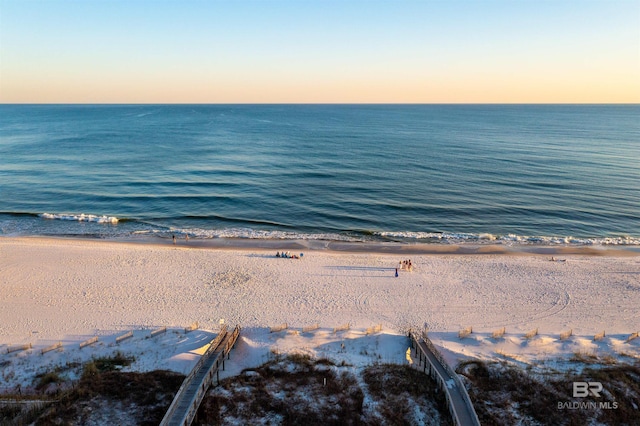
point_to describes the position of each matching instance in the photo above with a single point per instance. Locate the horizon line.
(320, 103)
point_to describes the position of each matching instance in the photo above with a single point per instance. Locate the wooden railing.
(445, 382)
(219, 349)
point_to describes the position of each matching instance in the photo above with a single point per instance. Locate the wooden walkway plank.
(188, 398)
(460, 405)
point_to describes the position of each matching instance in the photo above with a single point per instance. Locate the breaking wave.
(453, 238)
(81, 218)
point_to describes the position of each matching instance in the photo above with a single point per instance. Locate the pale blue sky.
(319, 51)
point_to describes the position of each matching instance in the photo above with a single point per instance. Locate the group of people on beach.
(288, 255)
(406, 264)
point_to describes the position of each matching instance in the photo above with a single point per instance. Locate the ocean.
(442, 174)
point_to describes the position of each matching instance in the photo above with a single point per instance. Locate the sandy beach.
(65, 290)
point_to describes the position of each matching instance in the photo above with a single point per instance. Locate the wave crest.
(80, 217)
(510, 238)
(248, 233)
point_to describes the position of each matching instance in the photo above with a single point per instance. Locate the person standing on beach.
(396, 272)
(174, 239)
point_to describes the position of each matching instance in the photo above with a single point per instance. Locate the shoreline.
(391, 248)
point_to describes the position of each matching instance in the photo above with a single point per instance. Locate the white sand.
(70, 290)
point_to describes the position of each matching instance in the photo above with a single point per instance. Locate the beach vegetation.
(299, 389)
(44, 380)
(504, 394)
(585, 357)
(400, 390)
(324, 361)
(146, 396)
(101, 391)
(9, 413)
(114, 362)
(105, 364)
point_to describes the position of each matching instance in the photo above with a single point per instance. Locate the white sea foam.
(443, 236)
(406, 236)
(263, 234)
(80, 217)
(511, 238)
(248, 234)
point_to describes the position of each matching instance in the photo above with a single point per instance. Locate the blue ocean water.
(523, 174)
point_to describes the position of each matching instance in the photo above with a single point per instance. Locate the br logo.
(584, 389)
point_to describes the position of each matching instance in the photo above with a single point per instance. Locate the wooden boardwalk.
(460, 405)
(185, 404)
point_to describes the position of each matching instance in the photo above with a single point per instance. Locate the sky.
(319, 51)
